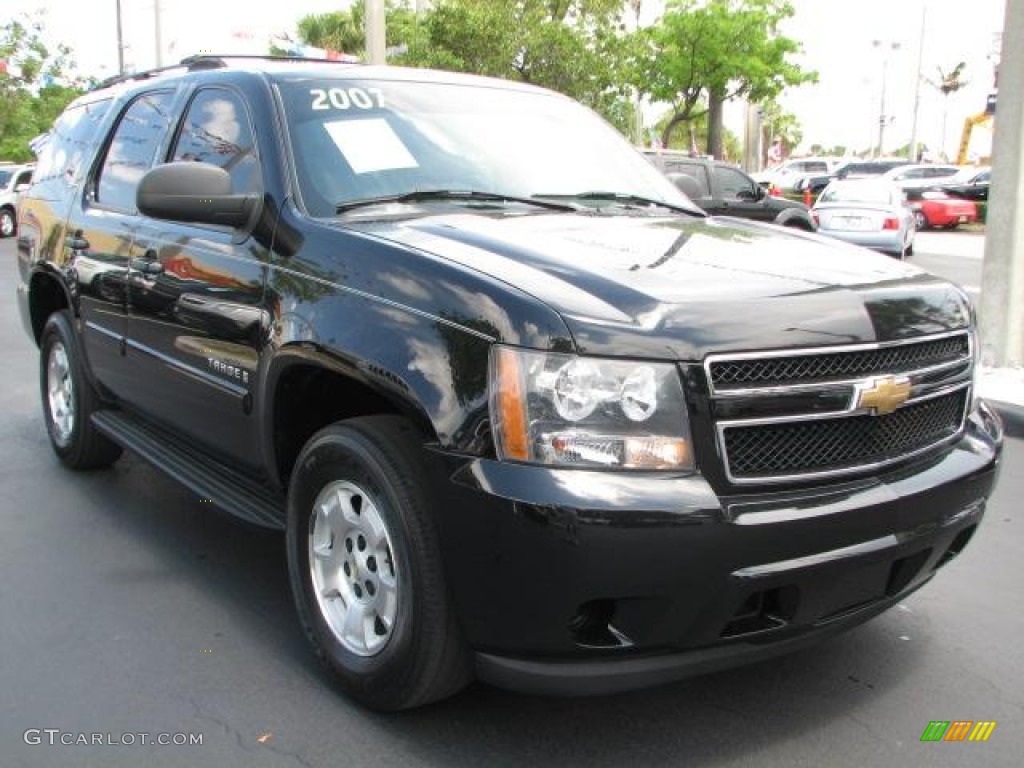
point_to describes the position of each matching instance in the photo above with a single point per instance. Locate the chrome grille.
(828, 445)
(837, 366)
(860, 431)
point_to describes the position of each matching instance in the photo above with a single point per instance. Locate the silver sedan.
(869, 212)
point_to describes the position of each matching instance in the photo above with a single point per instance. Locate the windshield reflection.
(356, 140)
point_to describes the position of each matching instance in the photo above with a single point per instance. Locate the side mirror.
(195, 193)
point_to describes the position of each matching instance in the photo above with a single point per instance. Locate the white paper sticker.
(370, 145)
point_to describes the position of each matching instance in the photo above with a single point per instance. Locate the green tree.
(36, 83)
(344, 31)
(777, 123)
(571, 46)
(702, 53)
(732, 147)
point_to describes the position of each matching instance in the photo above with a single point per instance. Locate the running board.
(225, 487)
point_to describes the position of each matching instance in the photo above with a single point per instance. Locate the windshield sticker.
(346, 98)
(370, 145)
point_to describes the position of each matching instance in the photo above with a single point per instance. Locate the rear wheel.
(69, 400)
(365, 566)
(920, 220)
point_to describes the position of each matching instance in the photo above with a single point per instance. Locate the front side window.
(358, 139)
(732, 184)
(217, 130)
(131, 153)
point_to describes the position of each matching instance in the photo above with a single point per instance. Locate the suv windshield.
(360, 140)
(5, 177)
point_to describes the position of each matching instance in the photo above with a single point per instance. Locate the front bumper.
(571, 581)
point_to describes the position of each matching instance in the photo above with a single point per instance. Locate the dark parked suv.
(723, 190)
(523, 411)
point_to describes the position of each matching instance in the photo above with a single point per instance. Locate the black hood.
(680, 288)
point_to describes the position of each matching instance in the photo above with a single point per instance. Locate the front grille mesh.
(805, 369)
(761, 451)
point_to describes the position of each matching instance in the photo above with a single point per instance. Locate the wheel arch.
(47, 293)
(308, 389)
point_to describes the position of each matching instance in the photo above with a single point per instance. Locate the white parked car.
(14, 179)
(786, 175)
(870, 212)
(921, 176)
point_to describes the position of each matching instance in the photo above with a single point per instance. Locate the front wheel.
(365, 567)
(920, 220)
(69, 400)
(7, 222)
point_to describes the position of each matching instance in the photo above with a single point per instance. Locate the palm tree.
(948, 83)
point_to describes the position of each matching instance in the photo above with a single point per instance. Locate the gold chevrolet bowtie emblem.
(883, 395)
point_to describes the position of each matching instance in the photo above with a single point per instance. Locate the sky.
(837, 38)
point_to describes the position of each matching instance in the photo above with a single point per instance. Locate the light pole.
(883, 119)
(120, 41)
(917, 86)
(158, 39)
(375, 32)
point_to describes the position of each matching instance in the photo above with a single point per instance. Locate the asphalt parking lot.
(127, 606)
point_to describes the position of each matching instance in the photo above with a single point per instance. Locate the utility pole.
(917, 85)
(638, 116)
(882, 117)
(1002, 280)
(158, 37)
(120, 41)
(375, 32)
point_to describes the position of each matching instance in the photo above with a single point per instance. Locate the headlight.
(566, 410)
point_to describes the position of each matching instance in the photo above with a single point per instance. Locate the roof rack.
(202, 61)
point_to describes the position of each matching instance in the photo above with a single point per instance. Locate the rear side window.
(67, 148)
(140, 132)
(699, 185)
(217, 130)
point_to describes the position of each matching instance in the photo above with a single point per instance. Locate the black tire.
(77, 443)
(803, 226)
(423, 657)
(921, 221)
(8, 222)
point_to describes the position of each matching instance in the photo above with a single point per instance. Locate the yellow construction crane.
(982, 118)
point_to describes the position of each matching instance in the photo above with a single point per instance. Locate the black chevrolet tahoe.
(522, 410)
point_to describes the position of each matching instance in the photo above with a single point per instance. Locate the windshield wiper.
(625, 198)
(470, 195)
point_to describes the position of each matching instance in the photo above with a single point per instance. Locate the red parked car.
(935, 208)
